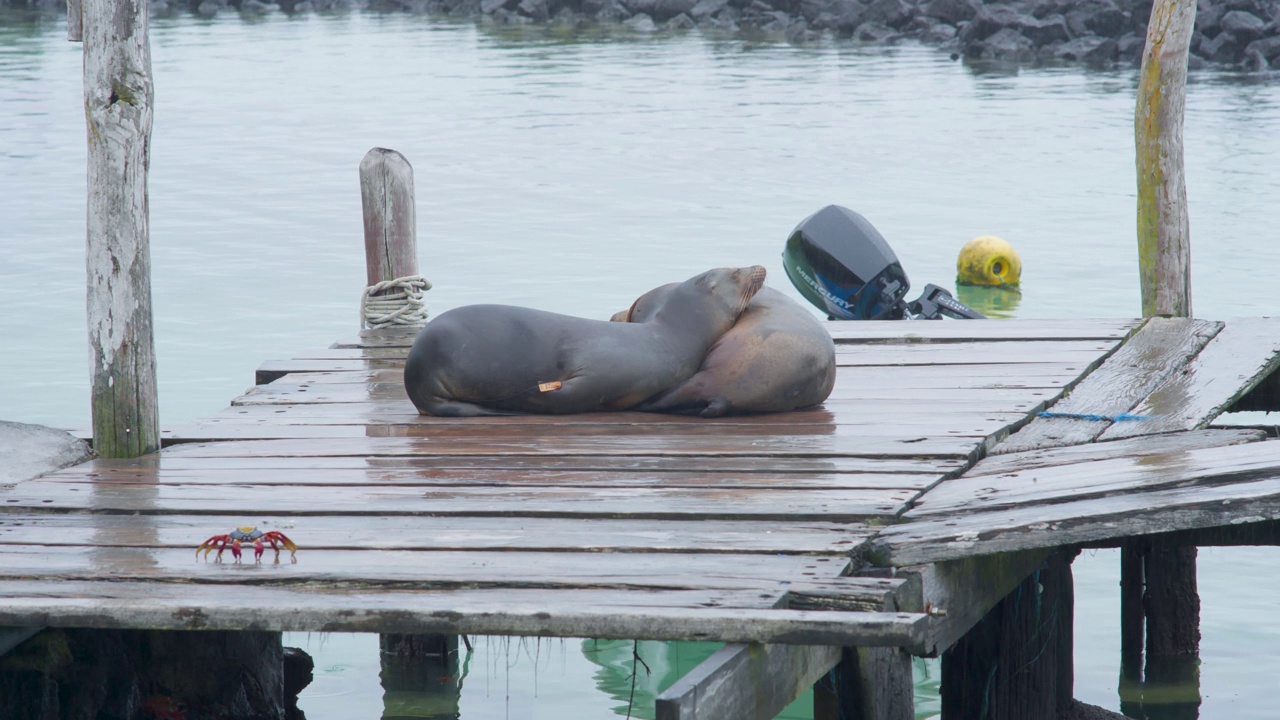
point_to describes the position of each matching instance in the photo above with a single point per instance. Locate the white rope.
(404, 307)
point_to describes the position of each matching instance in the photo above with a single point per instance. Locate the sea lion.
(776, 358)
(501, 360)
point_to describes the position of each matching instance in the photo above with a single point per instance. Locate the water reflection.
(994, 302)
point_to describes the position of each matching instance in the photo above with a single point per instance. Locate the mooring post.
(390, 220)
(1164, 257)
(394, 293)
(118, 96)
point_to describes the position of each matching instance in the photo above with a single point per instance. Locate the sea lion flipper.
(718, 407)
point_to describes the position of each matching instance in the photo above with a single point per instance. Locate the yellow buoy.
(988, 260)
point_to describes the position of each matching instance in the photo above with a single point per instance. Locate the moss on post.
(117, 101)
(1164, 242)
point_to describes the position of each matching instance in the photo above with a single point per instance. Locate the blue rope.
(1097, 418)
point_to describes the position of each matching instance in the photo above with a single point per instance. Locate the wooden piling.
(118, 97)
(1016, 662)
(1172, 609)
(1164, 236)
(390, 222)
(870, 682)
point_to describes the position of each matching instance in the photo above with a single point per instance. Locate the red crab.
(245, 535)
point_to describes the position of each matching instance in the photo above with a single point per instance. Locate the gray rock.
(1108, 20)
(612, 12)
(1209, 17)
(535, 10)
(27, 451)
(664, 10)
(1006, 44)
(991, 19)
(1130, 46)
(706, 8)
(1092, 50)
(1225, 48)
(1044, 31)
(257, 7)
(1254, 61)
(1245, 26)
(931, 30)
(489, 6)
(875, 32)
(640, 23)
(896, 14)
(952, 12)
(849, 15)
(1269, 48)
(208, 8)
(680, 22)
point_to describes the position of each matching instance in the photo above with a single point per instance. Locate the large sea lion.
(499, 359)
(776, 358)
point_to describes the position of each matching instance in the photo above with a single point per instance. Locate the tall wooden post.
(1164, 235)
(390, 220)
(117, 103)
(1171, 607)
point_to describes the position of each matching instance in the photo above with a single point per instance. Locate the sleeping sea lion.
(776, 358)
(500, 359)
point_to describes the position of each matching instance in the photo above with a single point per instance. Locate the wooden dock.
(873, 521)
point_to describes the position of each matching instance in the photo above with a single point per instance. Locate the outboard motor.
(843, 265)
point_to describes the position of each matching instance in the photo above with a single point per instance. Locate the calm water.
(573, 175)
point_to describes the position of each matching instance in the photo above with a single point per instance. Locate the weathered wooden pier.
(888, 522)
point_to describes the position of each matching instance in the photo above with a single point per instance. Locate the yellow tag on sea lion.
(548, 387)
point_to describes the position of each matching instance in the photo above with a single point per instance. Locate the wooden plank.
(746, 682)
(556, 501)
(959, 592)
(87, 593)
(940, 538)
(1051, 374)
(475, 477)
(552, 445)
(385, 568)
(892, 331)
(453, 614)
(1233, 363)
(967, 427)
(1162, 347)
(282, 392)
(871, 594)
(1035, 352)
(966, 353)
(895, 331)
(1146, 445)
(456, 533)
(1078, 481)
(169, 460)
(403, 412)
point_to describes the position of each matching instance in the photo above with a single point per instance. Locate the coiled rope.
(401, 305)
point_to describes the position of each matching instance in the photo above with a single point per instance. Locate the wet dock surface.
(631, 525)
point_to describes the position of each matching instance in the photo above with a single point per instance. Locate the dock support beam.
(1017, 661)
(870, 683)
(746, 682)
